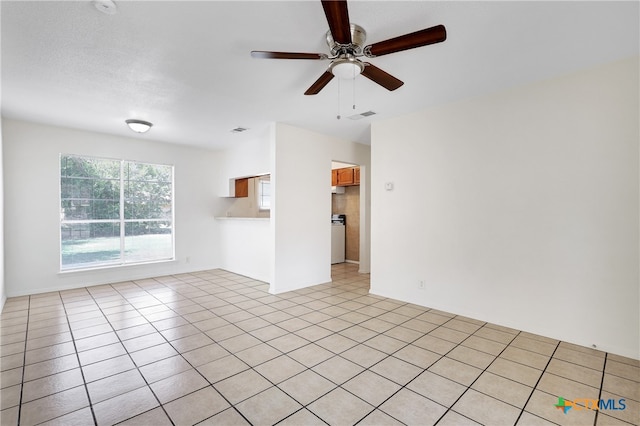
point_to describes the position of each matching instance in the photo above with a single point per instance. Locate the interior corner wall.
(519, 208)
(32, 212)
(301, 203)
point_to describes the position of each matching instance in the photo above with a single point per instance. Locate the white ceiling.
(186, 66)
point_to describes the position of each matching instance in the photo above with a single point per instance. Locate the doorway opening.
(345, 212)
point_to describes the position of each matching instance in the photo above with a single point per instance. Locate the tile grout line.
(438, 326)
(423, 369)
(476, 379)
(230, 354)
(75, 348)
(178, 352)
(49, 375)
(427, 368)
(115, 332)
(309, 342)
(214, 341)
(604, 367)
(303, 406)
(378, 333)
(24, 360)
(252, 367)
(538, 382)
(334, 354)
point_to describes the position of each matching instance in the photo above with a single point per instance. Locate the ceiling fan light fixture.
(346, 68)
(346, 43)
(139, 126)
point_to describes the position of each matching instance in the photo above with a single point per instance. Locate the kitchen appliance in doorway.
(338, 225)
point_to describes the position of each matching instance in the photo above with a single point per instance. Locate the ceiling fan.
(346, 41)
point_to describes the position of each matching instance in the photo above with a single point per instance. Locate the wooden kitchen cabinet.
(345, 176)
(242, 188)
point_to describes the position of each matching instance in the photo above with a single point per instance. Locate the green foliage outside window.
(114, 211)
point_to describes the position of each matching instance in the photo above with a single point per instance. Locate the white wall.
(3, 292)
(301, 204)
(32, 213)
(518, 208)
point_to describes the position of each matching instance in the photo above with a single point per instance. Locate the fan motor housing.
(358, 38)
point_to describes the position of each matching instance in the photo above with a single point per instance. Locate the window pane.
(93, 191)
(90, 244)
(147, 200)
(71, 166)
(147, 241)
(89, 209)
(146, 172)
(148, 191)
(89, 188)
(264, 196)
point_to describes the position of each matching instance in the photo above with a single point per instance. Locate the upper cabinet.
(346, 176)
(242, 188)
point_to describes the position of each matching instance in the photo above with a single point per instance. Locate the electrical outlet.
(421, 285)
(187, 259)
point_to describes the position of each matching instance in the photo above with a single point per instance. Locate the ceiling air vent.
(239, 130)
(362, 115)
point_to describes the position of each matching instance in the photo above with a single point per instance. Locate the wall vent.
(362, 115)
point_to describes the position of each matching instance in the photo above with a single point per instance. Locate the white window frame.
(121, 220)
(260, 180)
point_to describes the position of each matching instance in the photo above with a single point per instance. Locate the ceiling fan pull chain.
(354, 89)
(339, 85)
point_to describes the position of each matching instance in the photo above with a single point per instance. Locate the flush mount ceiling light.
(139, 126)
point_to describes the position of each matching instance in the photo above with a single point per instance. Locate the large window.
(114, 212)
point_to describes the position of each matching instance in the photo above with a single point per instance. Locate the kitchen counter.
(247, 243)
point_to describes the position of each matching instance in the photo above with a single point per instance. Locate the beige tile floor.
(216, 348)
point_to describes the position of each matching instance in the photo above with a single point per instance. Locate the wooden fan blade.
(261, 54)
(319, 84)
(338, 19)
(420, 38)
(383, 78)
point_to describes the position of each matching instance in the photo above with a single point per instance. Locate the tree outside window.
(114, 212)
